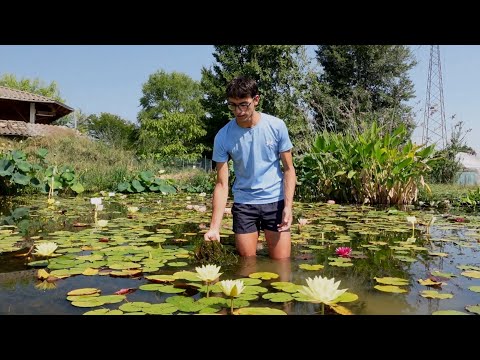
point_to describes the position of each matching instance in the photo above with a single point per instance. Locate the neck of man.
(249, 122)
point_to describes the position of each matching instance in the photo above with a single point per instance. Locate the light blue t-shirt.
(255, 153)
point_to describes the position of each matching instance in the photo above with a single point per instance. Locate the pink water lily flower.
(343, 251)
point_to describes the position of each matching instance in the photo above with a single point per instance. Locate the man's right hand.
(212, 235)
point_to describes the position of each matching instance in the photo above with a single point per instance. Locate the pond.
(141, 259)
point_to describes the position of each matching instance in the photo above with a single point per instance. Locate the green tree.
(175, 136)
(111, 129)
(35, 86)
(170, 93)
(76, 120)
(363, 79)
(171, 118)
(281, 73)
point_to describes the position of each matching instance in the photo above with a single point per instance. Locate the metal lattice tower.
(434, 124)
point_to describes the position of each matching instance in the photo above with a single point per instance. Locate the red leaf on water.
(125, 291)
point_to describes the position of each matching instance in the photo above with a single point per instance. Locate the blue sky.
(107, 78)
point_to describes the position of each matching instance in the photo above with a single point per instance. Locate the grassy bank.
(99, 166)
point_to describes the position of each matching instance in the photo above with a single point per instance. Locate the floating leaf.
(83, 291)
(390, 288)
(441, 254)
(311, 266)
(339, 309)
(433, 294)
(160, 309)
(346, 297)
(104, 312)
(429, 282)
(443, 274)
(392, 281)
(259, 311)
(263, 275)
(473, 308)
(135, 306)
(286, 286)
(474, 288)
(472, 274)
(448, 312)
(340, 263)
(90, 271)
(278, 297)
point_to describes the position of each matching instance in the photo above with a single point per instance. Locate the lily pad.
(259, 311)
(390, 288)
(433, 294)
(263, 275)
(448, 312)
(278, 297)
(392, 281)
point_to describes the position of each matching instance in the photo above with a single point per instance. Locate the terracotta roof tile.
(14, 94)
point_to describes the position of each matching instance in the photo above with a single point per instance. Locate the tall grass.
(98, 165)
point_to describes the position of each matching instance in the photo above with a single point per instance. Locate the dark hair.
(242, 87)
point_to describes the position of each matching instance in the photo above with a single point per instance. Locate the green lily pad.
(186, 304)
(104, 312)
(433, 294)
(311, 266)
(392, 281)
(390, 288)
(286, 286)
(259, 311)
(448, 312)
(473, 309)
(278, 297)
(263, 275)
(474, 288)
(472, 274)
(135, 306)
(160, 309)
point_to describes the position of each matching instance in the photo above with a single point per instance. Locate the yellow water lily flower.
(45, 249)
(208, 273)
(132, 209)
(321, 289)
(232, 288)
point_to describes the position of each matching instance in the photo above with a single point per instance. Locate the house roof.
(14, 94)
(21, 128)
(59, 109)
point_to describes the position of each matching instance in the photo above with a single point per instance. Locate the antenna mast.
(434, 124)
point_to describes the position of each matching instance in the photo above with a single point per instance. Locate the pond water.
(147, 249)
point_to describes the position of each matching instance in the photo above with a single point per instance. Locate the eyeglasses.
(242, 107)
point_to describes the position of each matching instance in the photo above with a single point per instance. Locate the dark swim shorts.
(249, 218)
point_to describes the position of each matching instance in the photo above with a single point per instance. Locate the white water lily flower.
(411, 219)
(111, 194)
(99, 207)
(321, 289)
(132, 209)
(96, 201)
(102, 223)
(208, 273)
(45, 249)
(232, 287)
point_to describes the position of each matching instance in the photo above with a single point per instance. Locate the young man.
(262, 192)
